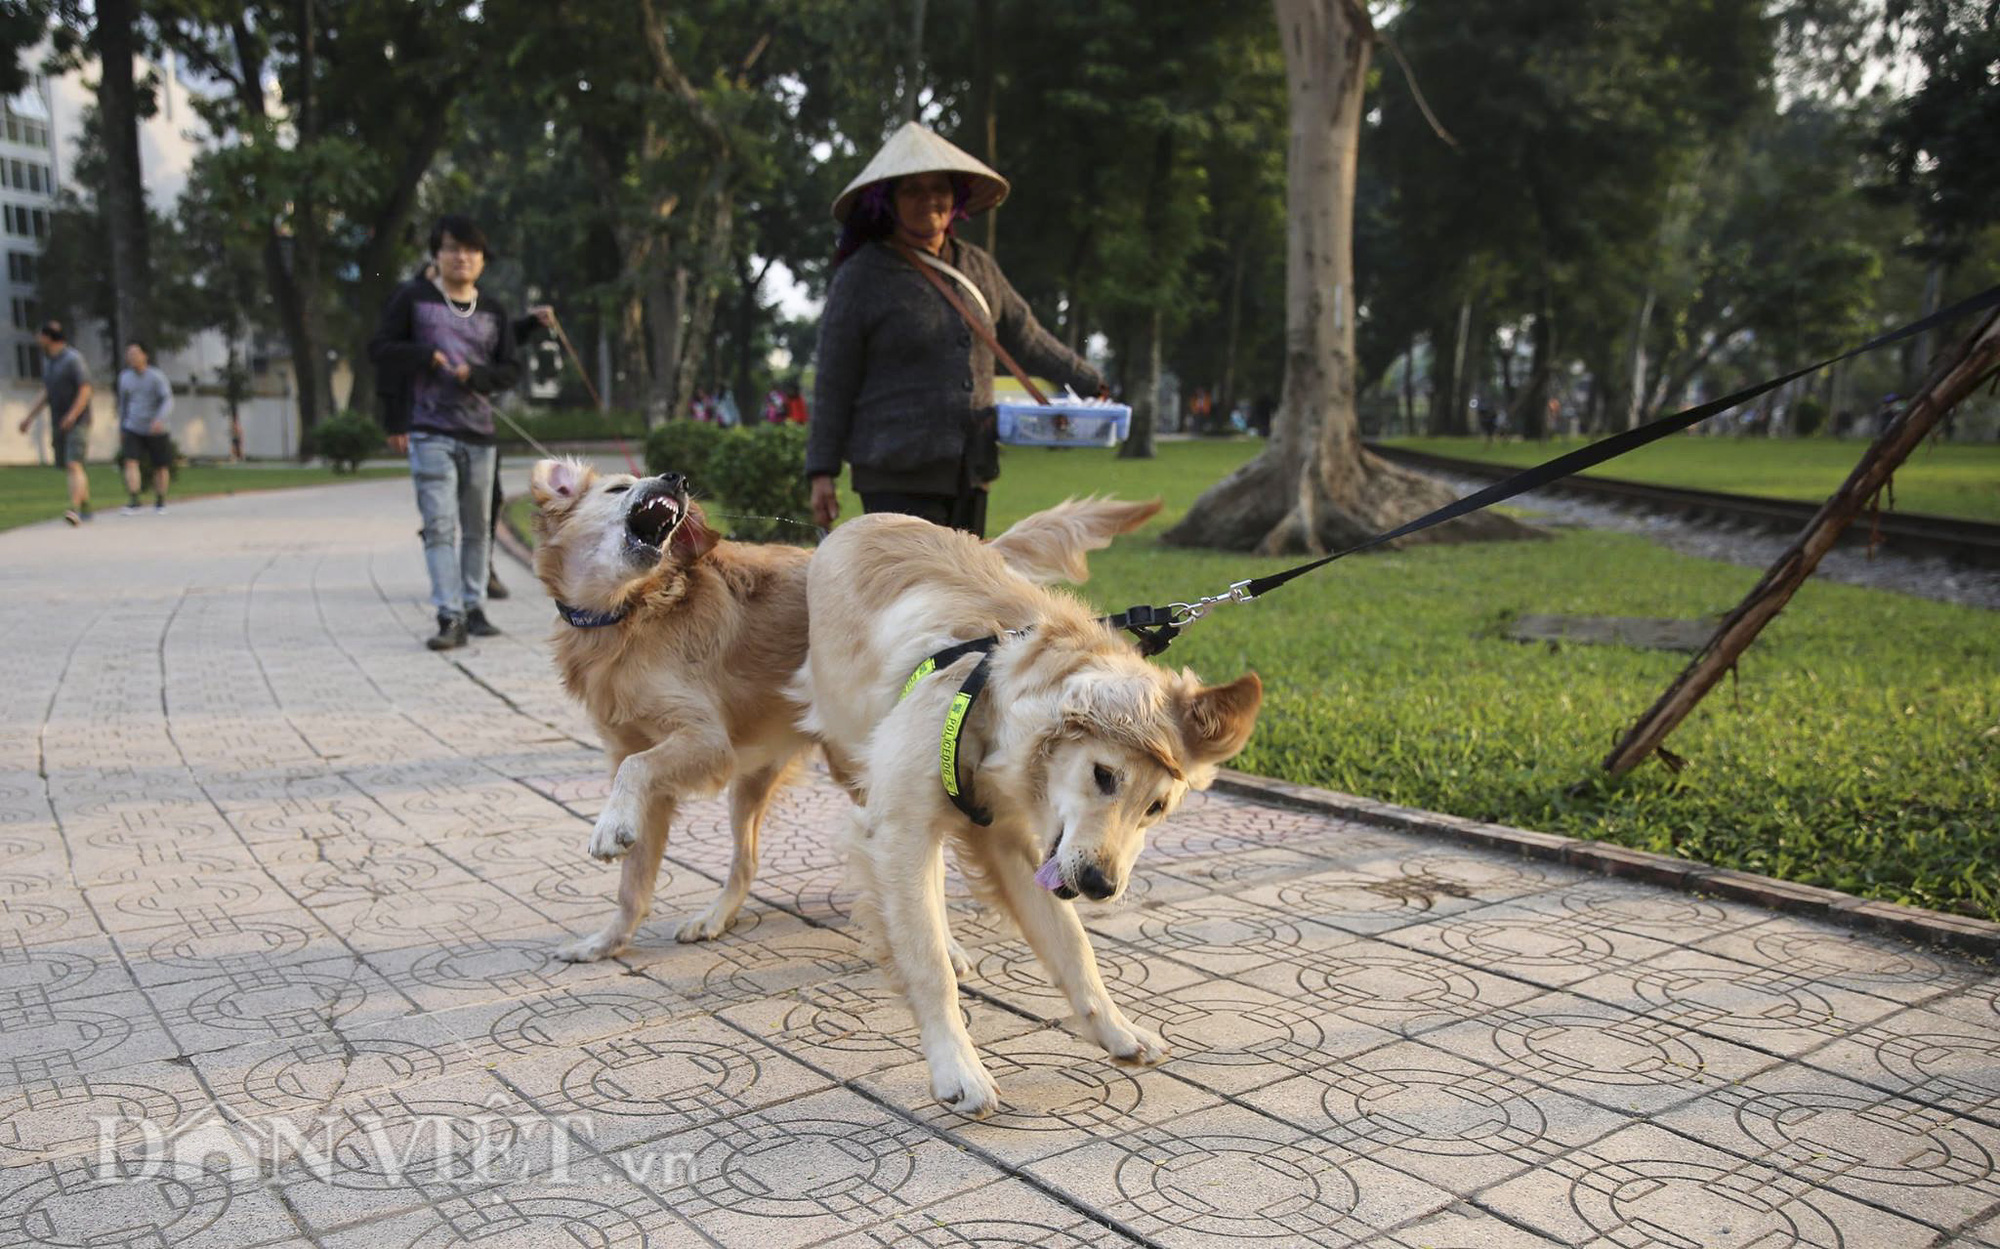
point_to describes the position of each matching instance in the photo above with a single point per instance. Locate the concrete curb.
(1960, 932)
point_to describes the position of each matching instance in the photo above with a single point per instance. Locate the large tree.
(324, 172)
(1314, 488)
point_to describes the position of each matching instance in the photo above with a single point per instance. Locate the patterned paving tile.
(1232, 1176)
(1056, 1092)
(1423, 1111)
(1646, 1186)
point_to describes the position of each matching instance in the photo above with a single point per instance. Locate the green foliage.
(685, 447)
(345, 439)
(1942, 143)
(751, 478)
(1808, 416)
(759, 473)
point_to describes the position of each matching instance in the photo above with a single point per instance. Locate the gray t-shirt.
(142, 399)
(63, 375)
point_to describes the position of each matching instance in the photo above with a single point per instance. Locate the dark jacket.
(904, 389)
(417, 396)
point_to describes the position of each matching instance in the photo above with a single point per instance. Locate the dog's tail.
(1050, 545)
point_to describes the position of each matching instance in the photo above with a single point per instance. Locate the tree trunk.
(913, 84)
(985, 105)
(1531, 412)
(1635, 403)
(748, 284)
(666, 316)
(603, 366)
(1410, 388)
(1138, 443)
(309, 356)
(392, 212)
(1226, 398)
(124, 182)
(1452, 385)
(681, 312)
(1314, 488)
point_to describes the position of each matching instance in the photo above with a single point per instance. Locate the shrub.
(573, 425)
(345, 439)
(760, 470)
(684, 447)
(1808, 414)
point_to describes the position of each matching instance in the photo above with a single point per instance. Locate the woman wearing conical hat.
(904, 387)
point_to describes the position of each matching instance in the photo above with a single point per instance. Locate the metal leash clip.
(1188, 613)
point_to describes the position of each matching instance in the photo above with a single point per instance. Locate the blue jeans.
(455, 497)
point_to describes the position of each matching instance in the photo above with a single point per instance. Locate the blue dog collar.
(578, 618)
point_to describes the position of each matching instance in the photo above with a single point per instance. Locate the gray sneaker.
(479, 626)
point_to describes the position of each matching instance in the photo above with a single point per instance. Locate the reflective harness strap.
(959, 792)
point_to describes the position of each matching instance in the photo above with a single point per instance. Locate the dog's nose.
(673, 481)
(1093, 885)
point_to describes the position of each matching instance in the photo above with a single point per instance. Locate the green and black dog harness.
(959, 792)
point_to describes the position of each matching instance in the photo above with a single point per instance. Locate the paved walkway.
(278, 889)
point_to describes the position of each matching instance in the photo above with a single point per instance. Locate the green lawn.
(30, 494)
(1860, 751)
(1943, 479)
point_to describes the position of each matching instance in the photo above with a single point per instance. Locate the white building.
(40, 129)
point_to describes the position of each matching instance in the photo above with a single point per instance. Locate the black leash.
(1155, 627)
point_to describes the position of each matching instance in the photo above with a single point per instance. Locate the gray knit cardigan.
(903, 385)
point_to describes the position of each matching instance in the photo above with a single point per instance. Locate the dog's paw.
(962, 1085)
(1132, 1046)
(961, 964)
(705, 927)
(597, 945)
(614, 834)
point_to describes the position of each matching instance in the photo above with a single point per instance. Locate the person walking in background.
(66, 393)
(454, 345)
(774, 406)
(795, 405)
(144, 399)
(904, 390)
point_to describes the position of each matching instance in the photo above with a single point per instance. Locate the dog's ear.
(559, 483)
(692, 537)
(1216, 721)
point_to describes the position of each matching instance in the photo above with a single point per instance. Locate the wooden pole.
(1961, 374)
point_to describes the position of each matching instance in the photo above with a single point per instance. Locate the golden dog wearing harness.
(1042, 753)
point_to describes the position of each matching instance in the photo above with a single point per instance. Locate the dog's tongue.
(1049, 876)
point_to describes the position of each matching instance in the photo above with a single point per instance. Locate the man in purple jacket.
(453, 345)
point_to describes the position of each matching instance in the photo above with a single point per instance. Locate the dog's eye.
(616, 489)
(1107, 780)
(1156, 808)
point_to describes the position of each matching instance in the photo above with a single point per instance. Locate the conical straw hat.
(914, 149)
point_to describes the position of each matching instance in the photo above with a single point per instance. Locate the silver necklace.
(470, 308)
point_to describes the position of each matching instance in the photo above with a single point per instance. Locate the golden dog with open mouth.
(1077, 747)
(682, 646)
